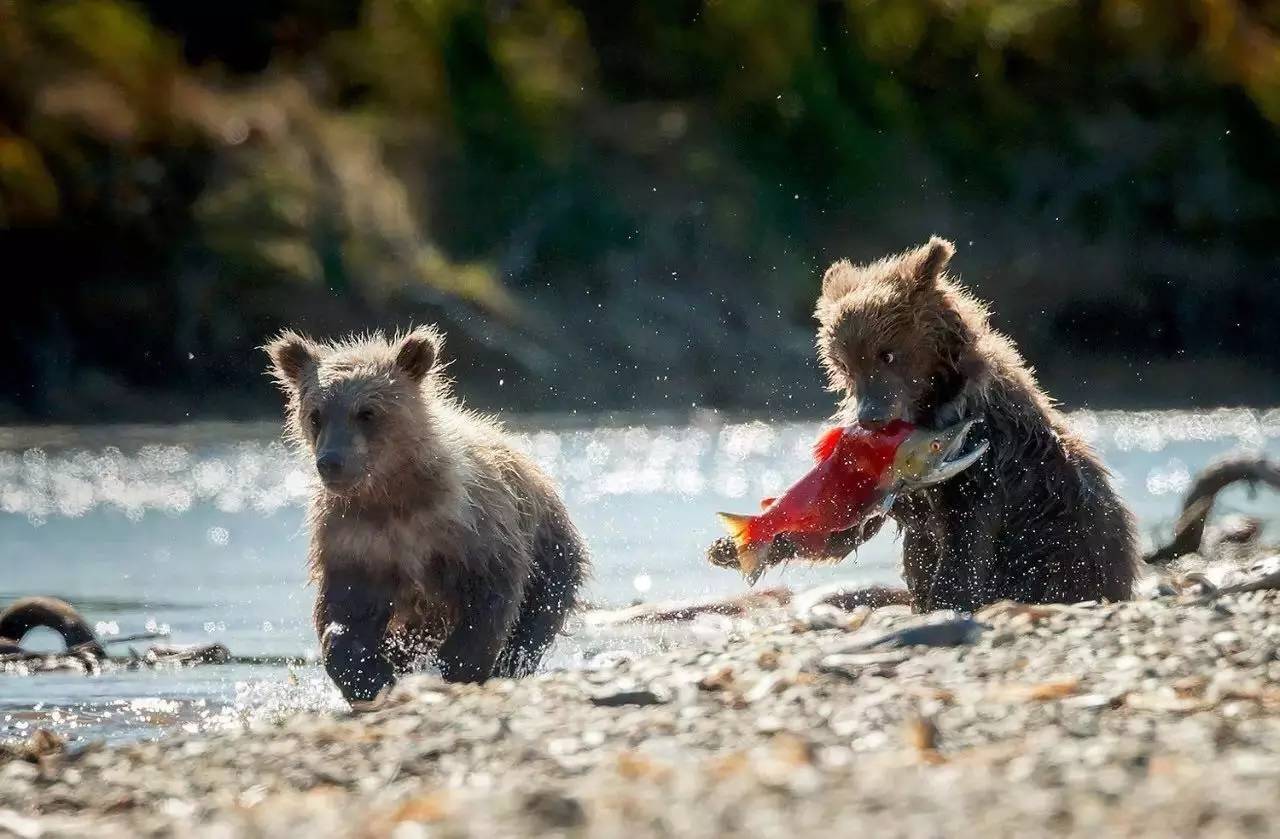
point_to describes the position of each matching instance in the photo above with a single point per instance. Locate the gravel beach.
(1145, 718)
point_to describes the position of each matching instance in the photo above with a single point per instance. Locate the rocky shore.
(1155, 717)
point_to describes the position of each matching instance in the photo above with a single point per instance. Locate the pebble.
(18, 771)
(947, 633)
(1148, 719)
(614, 699)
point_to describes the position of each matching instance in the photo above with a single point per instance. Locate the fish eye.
(935, 446)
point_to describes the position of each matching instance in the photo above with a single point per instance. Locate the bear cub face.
(887, 334)
(356, 406)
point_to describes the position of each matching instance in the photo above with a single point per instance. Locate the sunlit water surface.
(199, 533)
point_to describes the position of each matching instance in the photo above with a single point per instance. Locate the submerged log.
(1188, 532)
(30, 613)
(85, 652)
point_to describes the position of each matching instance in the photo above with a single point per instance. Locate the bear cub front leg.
(351, 617)
(489, 607)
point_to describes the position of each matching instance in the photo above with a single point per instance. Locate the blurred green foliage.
(645, 189)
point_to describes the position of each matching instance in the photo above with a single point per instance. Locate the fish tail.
(750, 556)
(739, 527)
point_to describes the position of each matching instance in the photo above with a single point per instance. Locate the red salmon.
(858, 470)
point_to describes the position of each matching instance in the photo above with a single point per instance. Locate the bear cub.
(1036, 519)
(431, 533)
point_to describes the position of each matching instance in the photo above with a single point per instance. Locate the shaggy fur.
(437, 534)
(1036, 519)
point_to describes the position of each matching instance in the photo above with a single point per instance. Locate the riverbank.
(1100, 383)
(593, 228)
(1152, 718)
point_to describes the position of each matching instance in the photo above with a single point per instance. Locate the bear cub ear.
(416, 352)
(293, 357)
(839, 280)
(926, 263)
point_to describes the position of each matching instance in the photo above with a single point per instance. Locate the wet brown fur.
(450, 517)
(1036, 519)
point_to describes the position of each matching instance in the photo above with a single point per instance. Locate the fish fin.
(766, 503)
(750, 557)
(751, 563)
(826, 445)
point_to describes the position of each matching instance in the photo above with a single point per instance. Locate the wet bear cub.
(1036, 520)
(431, 533)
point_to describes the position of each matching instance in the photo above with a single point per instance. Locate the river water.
(198, 531)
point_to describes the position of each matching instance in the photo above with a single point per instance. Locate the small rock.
(951, 633)
(823, 616)
(19, 825)
(856, 666)
(619, 698)
(1236, 529)
(766, 686)
(1226, 639)
(555, 809)
(1128, 662)
(922, 735)
(719, 679)
(18, 770)
(769, 725)
(609, 660)
(1089, 701)
(1038, 692)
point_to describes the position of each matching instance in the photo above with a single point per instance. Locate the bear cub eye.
(365, 415)
(313, 419)
(888, 356)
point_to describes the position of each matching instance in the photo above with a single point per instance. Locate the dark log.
(1270, 582)
(30, 613)
(1188, 532)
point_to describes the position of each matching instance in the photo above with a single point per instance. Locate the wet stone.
(623, 696)
(1153, 719)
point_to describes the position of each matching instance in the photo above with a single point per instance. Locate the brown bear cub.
(430, 531)
(1036, 519)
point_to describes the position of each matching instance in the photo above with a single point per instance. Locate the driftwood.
(1270, 582)
(30, 613)
(687, 610)
(845, 596)
(1188, 532)
(85, 652)
(848, 596)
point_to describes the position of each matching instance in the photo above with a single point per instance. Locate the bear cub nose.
(329, 465)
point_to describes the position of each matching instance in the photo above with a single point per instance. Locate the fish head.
(931, 456)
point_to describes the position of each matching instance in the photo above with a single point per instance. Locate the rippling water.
(198, 532)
